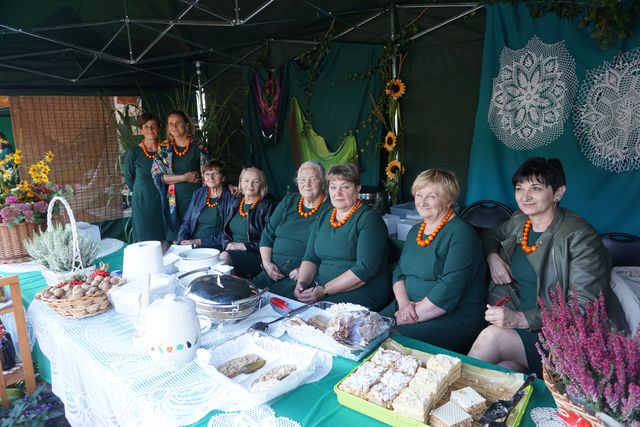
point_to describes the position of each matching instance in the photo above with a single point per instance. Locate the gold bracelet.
(325, 292)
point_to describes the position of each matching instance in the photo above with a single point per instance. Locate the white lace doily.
(546, 417)
(607, 114)
(262, 416)
(532, 94)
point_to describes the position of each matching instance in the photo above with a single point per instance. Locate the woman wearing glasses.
(244, 221)
(202, 224)
(346, 255)
(284, 239)
(146, 204)
(176, 169)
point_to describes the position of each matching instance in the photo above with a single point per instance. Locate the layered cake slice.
(413, 404)
(386, 358)
(361, 381)
(382, 395)
(450, 415)
(407, 364)
(469, 401)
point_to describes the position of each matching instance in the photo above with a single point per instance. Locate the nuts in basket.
(80, 286)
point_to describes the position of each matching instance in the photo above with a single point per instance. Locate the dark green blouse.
(209, 222)
(238, 227)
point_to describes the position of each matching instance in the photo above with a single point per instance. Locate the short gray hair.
(315, 165)
(346, 171)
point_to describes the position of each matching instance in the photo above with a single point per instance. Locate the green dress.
(451, 273)
(287, 234)
(146, 217)
(209, 222)
(527, 279)
(360, 245)
(190, 162)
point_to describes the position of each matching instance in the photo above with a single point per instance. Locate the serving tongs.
(500, 409)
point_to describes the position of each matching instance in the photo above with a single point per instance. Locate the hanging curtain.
(339, 107)
(548, 90)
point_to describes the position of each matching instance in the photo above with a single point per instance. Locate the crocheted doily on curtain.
(607, 114)
(532, 94)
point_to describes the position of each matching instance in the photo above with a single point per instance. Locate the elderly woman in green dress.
(146, 203)
(346, 255)
(284, 239)
(439, 281)
(244, 221)
(176, 170)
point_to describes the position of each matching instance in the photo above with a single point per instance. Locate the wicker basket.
(83, 306)
(566, 408)
(11, 241)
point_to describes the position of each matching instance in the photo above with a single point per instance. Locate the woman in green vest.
(284, 239)
(346, 255)
(146, 204)
(439, 281)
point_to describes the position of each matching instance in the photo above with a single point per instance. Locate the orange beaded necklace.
(338, 224)
(525, 238)
(146, 153)
(426, 242)
(312, 211)
(184, 151)
(242, 212)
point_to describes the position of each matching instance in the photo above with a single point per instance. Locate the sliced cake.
(449, 415)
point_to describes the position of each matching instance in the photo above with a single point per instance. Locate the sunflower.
(17, 157)
(390, 141)
(396, 88)
(48, 157)
(394, 168)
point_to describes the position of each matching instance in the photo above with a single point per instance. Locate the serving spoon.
(263, 326)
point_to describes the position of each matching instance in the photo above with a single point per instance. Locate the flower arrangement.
(598, 365)
(23, 200)
(36, 409)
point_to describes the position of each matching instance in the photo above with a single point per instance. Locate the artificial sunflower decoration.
(395, 88)
(390, 141)
(393, 169)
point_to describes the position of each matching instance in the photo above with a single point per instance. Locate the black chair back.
(485, 214)
(623, 247)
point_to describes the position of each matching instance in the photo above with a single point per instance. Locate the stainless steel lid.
(221, 289)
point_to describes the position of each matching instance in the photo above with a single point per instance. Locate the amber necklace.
(426, 242)
(209, 200)
(338, 224)
(312, 211)
(184, 149)
(146, 153)
(525, 238)
(242, 212)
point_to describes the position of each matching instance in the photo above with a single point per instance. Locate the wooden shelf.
(25, 371)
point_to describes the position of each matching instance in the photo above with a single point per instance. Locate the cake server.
(501, 408)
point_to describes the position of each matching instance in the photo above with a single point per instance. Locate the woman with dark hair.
(346, 255)
(542, 246)
(202, 224)
(146, 205)
(284, 240)
(176, 169)
(244, 221)
(439, 281)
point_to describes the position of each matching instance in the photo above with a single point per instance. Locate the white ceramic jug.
(173, 330)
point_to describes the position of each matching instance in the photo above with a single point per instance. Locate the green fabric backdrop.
(609, 201)
(337, 107)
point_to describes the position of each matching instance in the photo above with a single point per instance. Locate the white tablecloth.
(104, 380)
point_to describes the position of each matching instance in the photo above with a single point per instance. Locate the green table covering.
(313, 404)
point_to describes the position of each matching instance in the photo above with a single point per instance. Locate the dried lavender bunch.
(598, 364)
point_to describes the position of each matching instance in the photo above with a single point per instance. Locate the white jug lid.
(171, 305)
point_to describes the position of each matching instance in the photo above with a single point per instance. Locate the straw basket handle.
(77, 259)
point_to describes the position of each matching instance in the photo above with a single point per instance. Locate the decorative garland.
(525, 238)
(312, 211)
(338, 224)
(242, 212)
(426, 242)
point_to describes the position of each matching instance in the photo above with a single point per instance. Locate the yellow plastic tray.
(392, 418)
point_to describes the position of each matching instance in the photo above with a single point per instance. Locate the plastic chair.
(623, 247)
(485, 214)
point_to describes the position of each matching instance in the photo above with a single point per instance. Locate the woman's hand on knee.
(505, 318)
(406, 313)
(272, 271)
(235, 246)
(500, 270)
(294, 274)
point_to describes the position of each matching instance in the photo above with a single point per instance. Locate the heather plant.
(599, 365)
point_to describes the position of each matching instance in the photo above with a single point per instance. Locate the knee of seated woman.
(225, 258)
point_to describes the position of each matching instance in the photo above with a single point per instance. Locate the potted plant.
(23, 203)
(588, 365)
(54, 249)
(37, 409)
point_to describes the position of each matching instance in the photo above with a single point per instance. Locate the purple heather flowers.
(599, 365)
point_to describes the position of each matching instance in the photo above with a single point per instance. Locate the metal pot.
(222, 296)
